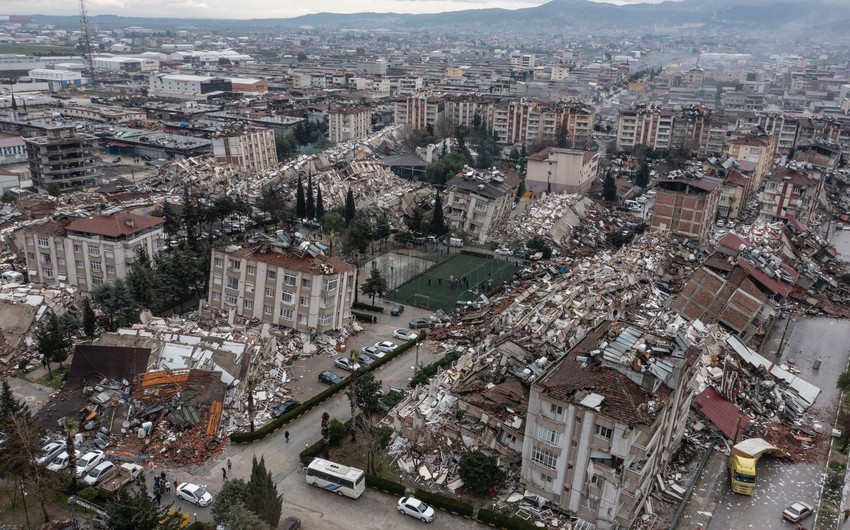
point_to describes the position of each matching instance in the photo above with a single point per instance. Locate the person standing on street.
(229, 465)
(224, 473)
(286, 435)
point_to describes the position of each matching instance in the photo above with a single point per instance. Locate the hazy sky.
(254, 8)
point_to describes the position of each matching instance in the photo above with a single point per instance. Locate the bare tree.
(352, 396)
(326, 434)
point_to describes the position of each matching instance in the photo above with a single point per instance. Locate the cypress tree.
(350, 211)
(311, 202)
(437, 227)
(300, 204)
(262, 498)
(320, 206)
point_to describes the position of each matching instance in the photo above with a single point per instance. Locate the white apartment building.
(649, 126)
(401, 86)
(556, 170)
(283, 286)
(604, 420)
(479, 202)
(418, 111)
(251, 150)
(349, 123)
(12, 150)
(89, 251)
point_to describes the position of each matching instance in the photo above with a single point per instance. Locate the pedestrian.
(286, 435)
(175, 485)
(162, 476)
(429, 282)
(158, 498)
(229, 465)
(167, 487)
(224, 473)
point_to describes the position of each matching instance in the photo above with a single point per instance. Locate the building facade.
(478, 201)
(418, 111)
(63, 157)
(686, 207)
(556, 170)
(250, 150)
(790, 192)
(604, 420)
(89, 251)
(349, 123)
(646, 125)
(13, 149)
(282, 286)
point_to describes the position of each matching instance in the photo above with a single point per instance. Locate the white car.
(416, 508)
(386, 346)
(347, 364)
(404, 334)
(88, 461)
(100, 472)
(49, 452)
(194, 494)
(504, 252)
(61, 462)
(372, 351)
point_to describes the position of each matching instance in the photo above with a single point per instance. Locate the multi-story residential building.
(89, 251)
(784, 127)
(646, 125)
(479, 201)
(531, 121)
(685, 207)
(63, 157)
(734, 193)
(521, 60)
(284, 285)
(400, 86)
(13, 149)
(349, 123)
(249, 149)
(821, 154)
(556, 170)
(418, 111)
(461, 110)
(604, 420)
(754, 146)
(790, 191)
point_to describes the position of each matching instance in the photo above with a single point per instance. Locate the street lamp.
(416, 362)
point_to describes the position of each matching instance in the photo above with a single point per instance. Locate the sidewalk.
(710, 486)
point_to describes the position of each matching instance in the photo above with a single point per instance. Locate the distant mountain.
(554, 15)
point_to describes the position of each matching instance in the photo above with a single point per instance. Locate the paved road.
(317, 509)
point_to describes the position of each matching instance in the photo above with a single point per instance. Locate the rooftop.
(115, 225)
(290, 260)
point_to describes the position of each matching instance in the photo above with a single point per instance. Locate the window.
(325, 320)
(286, 314)
(95, 266)
(231, 299)
(545, 478)
(305, 283)
(108, 253)
(28, 239)
(110, 269)
(287, 298)
(219, 262)
(302, 319)
(78, 248)
(481, 206)
(235, 264)
(47, 273)
(603, 432)
(249, 304)
(94, 250)
(96, 281)
(45, 258)
(330, 285)
(251, 269)
(544, 458)
(267, 310)
(31, 256)
(304, 301)
(271, 275)
(270, 293)
(596, 481)
(232, 283)
(289, 279)
(60, 245)
(216, 297)
(547, 435)
(60, 262)
(556, 410)
(42, 241)
(79, 264)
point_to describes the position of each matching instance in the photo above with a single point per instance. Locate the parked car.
(404, 334)
(365, 359)
(329, 378)
(100, 472)
(291, 523)
(49, 452)
(504, 252)
(372, 351)
(416, 508)
(195, 494)
(88, 461)
(347, 364)
(797, 511)
(386, 346)
(397, 310)
(284, 407)
(417, 323)
(61, 462)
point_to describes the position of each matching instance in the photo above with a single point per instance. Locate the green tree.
(539, 244)
(382, 227)
(437, 226)
(116, 302)
(131, 509)
(320, 204)
(442, 170)
(561, 136)
(71, 428)
(9, 405)
(8, 197)
(520, 189)
(231, 510)
(375, 437)
(350, 210)
(843, 382)
(263, 498)
(326, 434)
(300, 202)
(609, 187)
(310, 209)
(334, 222)
(366, 392)
(52, 342)
(191, 216)
(144, 282)
(642, 176)
(375, 284)
(359, 233)
(480, 472)
(172, 220)
(53, 189)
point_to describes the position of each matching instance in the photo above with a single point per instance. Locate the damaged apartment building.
(604, 420)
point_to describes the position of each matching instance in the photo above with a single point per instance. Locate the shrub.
(446, 503)
(363, 317)
(388, 486)
(367, 307)
(337, 431)
(503, 521)
(480, 472)
(307, 455)
(88, 493)
(427, 372)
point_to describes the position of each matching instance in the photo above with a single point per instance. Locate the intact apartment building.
(557, 170)
(754, 146)
(604, 420)
(349, 123)
(478, 202)
(418, 111)
(687, 207)
(532, 121)
(249, 149)
(89, 251)
(63, 157)
(790, 191)
(646, 125)
(295, 287)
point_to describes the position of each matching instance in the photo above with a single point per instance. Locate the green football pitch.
(460, 278)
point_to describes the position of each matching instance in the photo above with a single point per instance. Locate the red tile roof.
(722, 413)
(773, 285)
(733, 241)
(290, 260)
(115, 225)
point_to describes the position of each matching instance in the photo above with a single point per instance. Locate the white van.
(455, 242)
(633, 206)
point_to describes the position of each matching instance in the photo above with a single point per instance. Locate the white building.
(57, 79)
(349, 123)
(250, 150)
(12, 150)
(480, 201)
(557, 170)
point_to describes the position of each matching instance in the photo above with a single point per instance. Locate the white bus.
(344, 480)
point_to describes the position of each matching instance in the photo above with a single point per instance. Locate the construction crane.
(87, 52)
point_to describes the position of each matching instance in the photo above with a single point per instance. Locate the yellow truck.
(742, 463)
